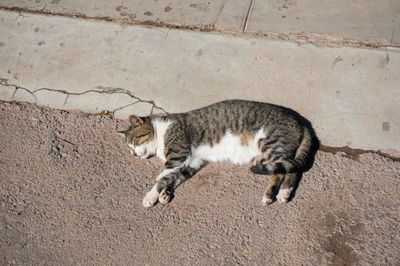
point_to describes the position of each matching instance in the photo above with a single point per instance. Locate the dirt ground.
(70, 193)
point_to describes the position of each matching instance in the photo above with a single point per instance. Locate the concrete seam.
(354, 153)
(246, 21)
(99, 90)
(345, 151)
(317, 39)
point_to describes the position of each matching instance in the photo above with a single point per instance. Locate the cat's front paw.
(284, 195)
(165, 196)
(150, 199)
(266, 200)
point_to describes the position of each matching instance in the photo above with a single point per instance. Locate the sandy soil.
(70, 193)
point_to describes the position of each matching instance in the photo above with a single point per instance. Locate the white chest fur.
(160, 127)
(230, 148)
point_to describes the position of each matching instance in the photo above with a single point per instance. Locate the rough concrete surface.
(225, 14)
(343, 22)
(354, 20)
(70, 193)
(350, 94)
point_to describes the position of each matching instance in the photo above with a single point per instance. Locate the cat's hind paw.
(284, 195)
(165, 196)
(260, 170)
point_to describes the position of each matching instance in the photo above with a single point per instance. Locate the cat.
(277, 140)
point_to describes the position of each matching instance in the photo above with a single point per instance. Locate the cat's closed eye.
(141, 139)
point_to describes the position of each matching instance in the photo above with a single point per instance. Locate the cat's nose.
(132, 151)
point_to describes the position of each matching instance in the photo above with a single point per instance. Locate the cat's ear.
(123, 133)
(136, 120)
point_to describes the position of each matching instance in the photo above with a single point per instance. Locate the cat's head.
(140, 137)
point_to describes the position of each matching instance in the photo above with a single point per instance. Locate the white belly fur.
(230, 149)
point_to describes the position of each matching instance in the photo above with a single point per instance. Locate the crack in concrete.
(218, 15)
(301, 38)
(163, 41)
(337, 59)
(99, 90)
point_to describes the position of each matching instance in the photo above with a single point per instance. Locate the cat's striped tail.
(279, 165)
(303, 153)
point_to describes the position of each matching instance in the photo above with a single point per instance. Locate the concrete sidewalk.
(351, 95)
(360, 23)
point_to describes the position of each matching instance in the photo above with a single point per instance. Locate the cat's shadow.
(299, 176)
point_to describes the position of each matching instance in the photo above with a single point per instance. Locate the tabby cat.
(275, 139)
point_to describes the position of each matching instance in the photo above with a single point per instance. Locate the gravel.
(70, 193)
